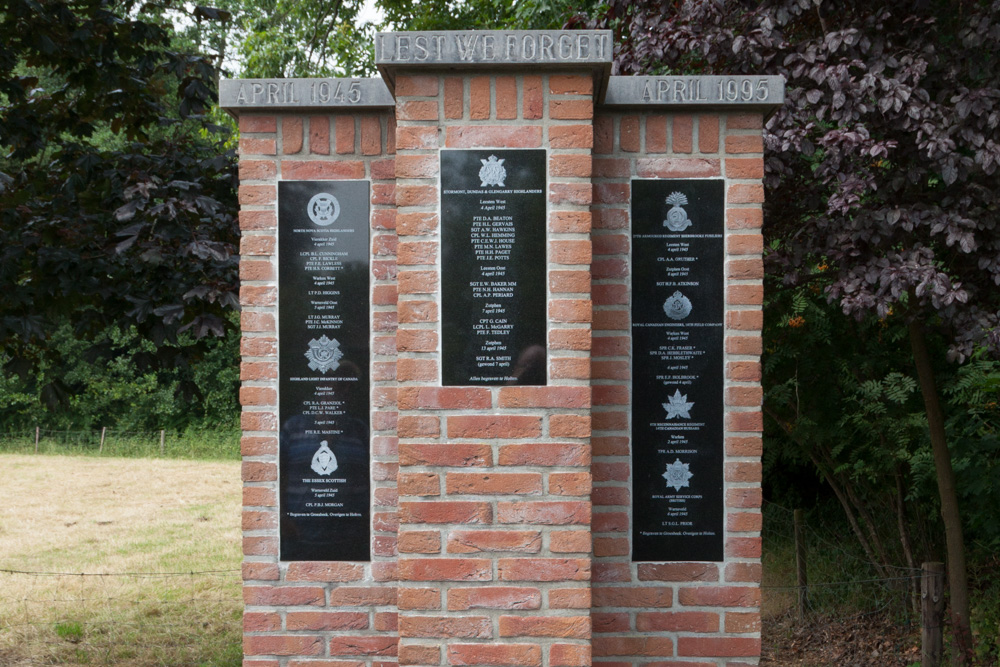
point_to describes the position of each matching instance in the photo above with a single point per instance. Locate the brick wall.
(298, 613)
(494, 482)
(690, 614)
(495, 555)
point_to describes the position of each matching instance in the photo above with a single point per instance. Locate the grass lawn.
(132, 521)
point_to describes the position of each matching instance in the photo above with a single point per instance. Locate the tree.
(882, 163)
(117, 192)
(291, 38)
(295, 38)
(116, 206)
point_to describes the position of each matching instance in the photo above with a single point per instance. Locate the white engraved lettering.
(546, 47)
(525, 43)
(402, 42)
(420, 44)
(565, 46)
(489, 46)
(466, 50)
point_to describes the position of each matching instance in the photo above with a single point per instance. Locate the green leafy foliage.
(864, 423)
(117, 392)
(116, 207)
(291, 38)
(881, 166)
(299, 38)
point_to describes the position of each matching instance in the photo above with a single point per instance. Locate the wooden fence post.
(931, 613)
(38, 432)
(800, 565)
(163, 435)
(103, 431)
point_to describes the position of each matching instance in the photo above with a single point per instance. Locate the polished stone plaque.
(323, 377)
(493, 290)
(677, 369)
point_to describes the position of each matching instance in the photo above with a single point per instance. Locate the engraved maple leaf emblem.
(678, 406)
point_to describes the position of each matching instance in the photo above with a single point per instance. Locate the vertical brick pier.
(501, 516)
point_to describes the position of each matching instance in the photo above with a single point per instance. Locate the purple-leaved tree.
(883, 163)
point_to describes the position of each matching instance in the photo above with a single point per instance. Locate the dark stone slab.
(493, 282)
(323, 380)
(677, 370)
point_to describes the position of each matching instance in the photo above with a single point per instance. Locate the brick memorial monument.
(501, 380)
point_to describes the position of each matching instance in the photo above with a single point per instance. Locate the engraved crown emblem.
(492, 172)
(677, 218)
(677, 306)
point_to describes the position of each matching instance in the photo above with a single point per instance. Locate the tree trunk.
(866, 517)
(958, 582)
(828, 475)
(904, 538)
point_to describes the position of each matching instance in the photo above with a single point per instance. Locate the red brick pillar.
(485, 551)
(701, 614)
(494, 482)
(298, 613)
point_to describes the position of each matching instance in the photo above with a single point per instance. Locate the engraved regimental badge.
(324, 462)
(677, 218)
(677, 306)
(324, 354)
(323, 209)
(678, 475)
(492, 172)
(678, 406)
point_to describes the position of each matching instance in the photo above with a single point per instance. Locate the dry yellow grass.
(126, 519)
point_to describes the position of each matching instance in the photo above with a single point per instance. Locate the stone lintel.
(761, 93)
(236, 95)
(489, 49)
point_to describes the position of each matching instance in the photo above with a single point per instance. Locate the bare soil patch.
(857, 641)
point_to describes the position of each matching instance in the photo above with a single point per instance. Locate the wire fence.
(118, 560)
(108, 441)
(166, 616)
(852, 610)
(841, 579)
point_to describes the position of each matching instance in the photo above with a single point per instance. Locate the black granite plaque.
(677, 369)
(323, 377)
(493, 290)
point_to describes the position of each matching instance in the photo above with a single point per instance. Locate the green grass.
(69, 630)
(221, 444)
(159, 541)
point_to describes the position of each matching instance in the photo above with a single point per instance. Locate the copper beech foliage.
(883, 162)
(116, 205)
